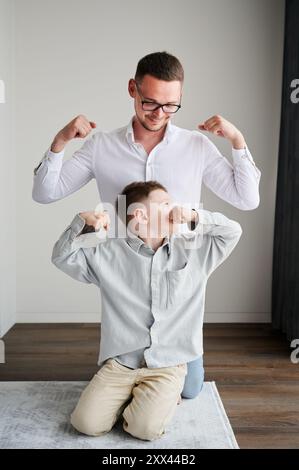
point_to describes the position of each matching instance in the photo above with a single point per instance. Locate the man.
(152, 318)
(150, 147)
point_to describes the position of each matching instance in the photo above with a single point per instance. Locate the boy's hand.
(97, 220)
(182, 215)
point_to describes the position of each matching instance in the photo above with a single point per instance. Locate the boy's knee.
(86, 426)
(143, 429)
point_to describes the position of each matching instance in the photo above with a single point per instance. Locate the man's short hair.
(161, 65)
(136, 192)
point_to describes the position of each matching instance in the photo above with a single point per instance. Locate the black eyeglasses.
(152, 106)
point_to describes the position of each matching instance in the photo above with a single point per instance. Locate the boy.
(153, 289)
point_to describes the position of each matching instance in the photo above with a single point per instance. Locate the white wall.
(76, 57)
(7, 173)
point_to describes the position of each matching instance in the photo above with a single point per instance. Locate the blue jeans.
(194, 378)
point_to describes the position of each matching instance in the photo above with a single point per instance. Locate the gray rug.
(35, 415)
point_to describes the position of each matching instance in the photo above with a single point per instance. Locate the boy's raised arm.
(80, 263)
(215, 238)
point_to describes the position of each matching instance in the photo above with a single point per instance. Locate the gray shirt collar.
(139, 246)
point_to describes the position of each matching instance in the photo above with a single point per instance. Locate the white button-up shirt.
(182, 161)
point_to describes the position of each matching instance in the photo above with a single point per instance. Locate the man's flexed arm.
(55, 179)
(237, 184)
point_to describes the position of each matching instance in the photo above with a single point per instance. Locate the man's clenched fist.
(218, 125)
(79, 127)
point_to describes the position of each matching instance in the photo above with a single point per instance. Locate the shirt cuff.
(77, 226)
(52, 158)
(51, 154)
(206, 217)
(242, 154)
(197, 226)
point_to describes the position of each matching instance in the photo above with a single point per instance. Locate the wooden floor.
(250, 364)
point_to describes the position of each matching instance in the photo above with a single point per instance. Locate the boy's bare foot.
(179, 400)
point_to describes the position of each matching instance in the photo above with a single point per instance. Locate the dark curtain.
(285, 279)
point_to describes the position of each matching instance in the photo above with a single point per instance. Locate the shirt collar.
(169, 131)
(137, 244)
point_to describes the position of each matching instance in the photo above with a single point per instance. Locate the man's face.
(158, 91)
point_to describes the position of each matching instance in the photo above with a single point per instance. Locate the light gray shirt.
(152, 301)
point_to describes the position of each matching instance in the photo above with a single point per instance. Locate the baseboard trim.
(58, 317)
(6, 327)
(210, 317)
(224, 317)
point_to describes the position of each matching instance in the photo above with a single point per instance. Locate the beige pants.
(146, 398)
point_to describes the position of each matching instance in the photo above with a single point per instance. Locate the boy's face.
(152, 217)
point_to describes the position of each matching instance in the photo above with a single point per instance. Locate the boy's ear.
(140, 215)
